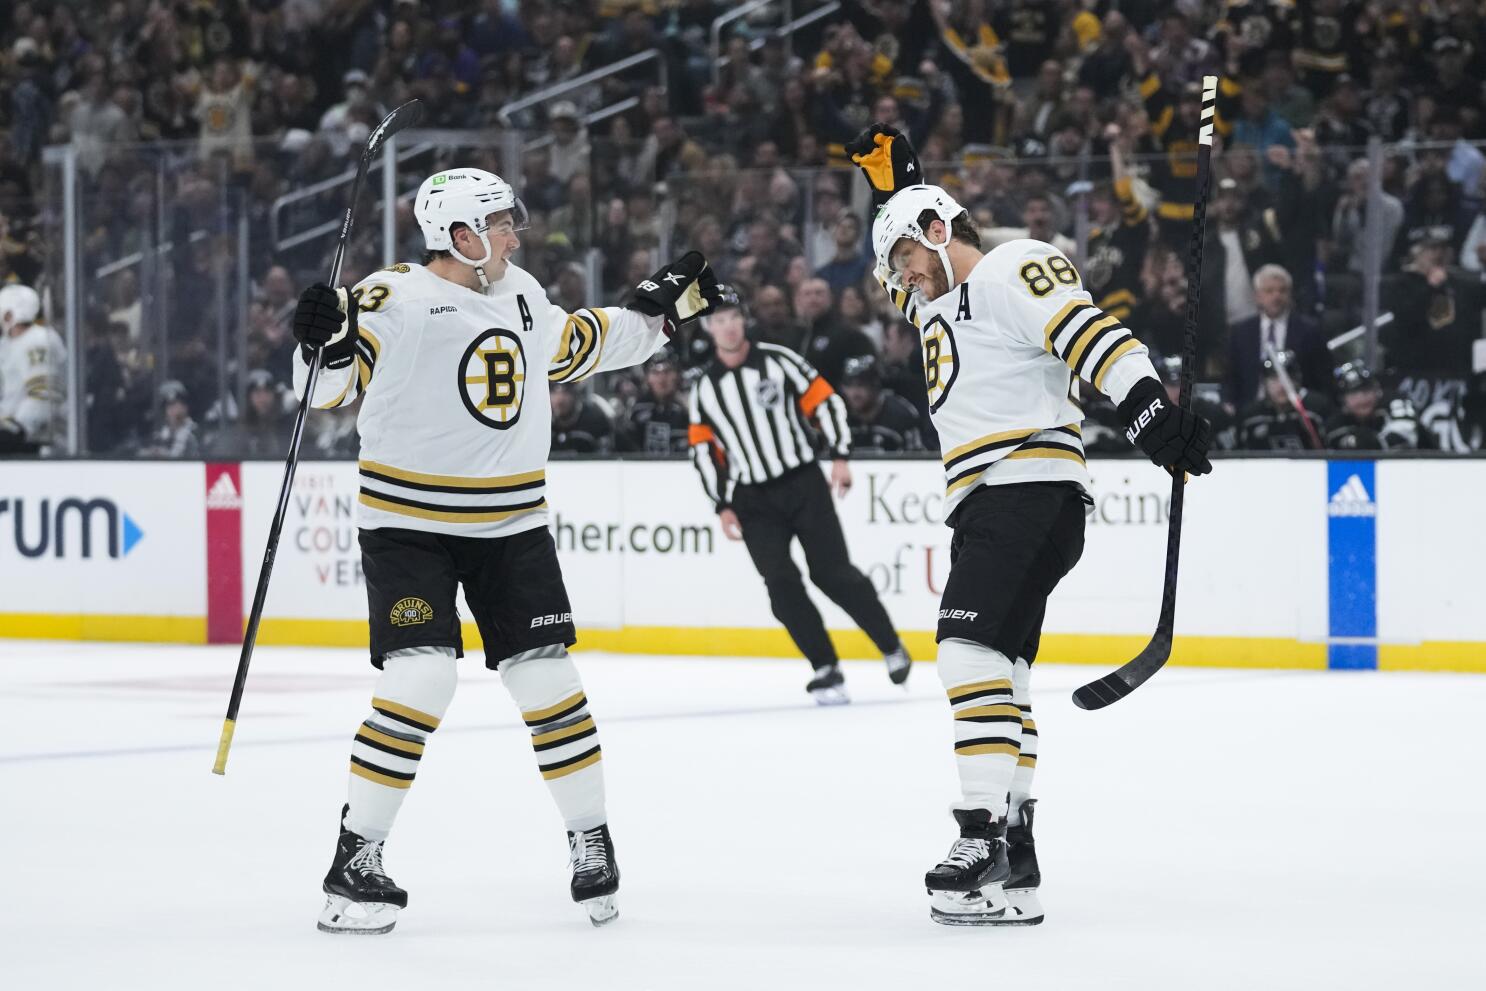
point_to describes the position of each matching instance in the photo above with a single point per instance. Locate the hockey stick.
(1293, 395)
(404, 116)
(1116, 685)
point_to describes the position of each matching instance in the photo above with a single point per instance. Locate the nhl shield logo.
(767, 393)
(411, 611)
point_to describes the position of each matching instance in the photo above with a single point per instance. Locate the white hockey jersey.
(1001, 350)
(455, 421)
(33, 382)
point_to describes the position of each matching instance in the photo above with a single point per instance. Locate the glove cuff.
(1139, 398)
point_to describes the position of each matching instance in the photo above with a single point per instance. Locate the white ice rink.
(1218, 829)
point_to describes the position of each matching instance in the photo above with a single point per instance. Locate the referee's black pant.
(798, 504)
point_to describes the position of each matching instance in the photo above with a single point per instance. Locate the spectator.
(223, 111)
(1349, 222)
(1276, 326)
(880, 421)
(262, 432)
(657, 423)
(176, 436)
(1236, 248)
(849, 261)
(579, 425)
(570, 148)
(826, 344)
(1037, 223)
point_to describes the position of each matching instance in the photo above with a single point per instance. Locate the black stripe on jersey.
(1098, 369)
(1028, 730)
(1070, 431)
(367, 352)
(442, 508)
(1050, 445)
(451, 489)
(1114, 330)
(399, 775)
(1073, 314)
(994, 445)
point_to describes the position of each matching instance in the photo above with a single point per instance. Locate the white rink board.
(141, 524)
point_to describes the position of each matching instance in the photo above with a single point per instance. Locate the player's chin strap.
(942, 250)
(478, 266)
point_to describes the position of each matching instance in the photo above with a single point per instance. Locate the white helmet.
(898, 218)
(18, 304)
(465, 196)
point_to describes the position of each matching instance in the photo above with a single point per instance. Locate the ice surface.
(1218, 829)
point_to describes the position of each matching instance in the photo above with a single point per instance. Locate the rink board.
(1299, 564)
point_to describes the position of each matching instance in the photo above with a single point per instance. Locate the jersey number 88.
(1040, 283)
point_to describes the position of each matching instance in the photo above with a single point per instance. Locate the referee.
(756, 456)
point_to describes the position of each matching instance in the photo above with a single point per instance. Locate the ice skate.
(899, 664)
(828, 687)
(360, 898)
(965, 888)
(595, 873)
(1024, 908)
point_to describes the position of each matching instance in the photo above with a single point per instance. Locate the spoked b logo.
(492, 378)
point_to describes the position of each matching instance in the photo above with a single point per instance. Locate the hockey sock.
(988, 725)
(1026, 762)
(409, 701)
(544, 683)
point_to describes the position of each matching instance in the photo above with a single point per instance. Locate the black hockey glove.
(886, 158)
(1172, 437)
(685, 289)
(326, 318)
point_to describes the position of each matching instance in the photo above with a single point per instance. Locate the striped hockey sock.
(988, 724)
(409, 702)
(545, 685)
(1026, 762)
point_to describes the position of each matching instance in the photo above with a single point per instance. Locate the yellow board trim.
(454, 481)
(1103, 649)
(381, 779)
(563, 772)
(406, 711)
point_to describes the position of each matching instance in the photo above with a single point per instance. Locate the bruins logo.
(492, 378)
(411, 611)
(941, 361)
(401, 268)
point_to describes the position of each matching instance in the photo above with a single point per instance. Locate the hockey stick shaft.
(1134, 673)
(404, 116)
(1293, 395)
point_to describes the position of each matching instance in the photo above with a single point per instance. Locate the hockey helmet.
(899, 218)
(1353, 377)
(18, 305)
(469, 197)
(1282, 361)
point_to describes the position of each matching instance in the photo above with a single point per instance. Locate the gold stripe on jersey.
(582, 344)
(409, 715)
(452, 514)
(964, 693)
(338, 400)
(1001, 745)
(453, 481)
(572, 765)
(567, 707)
(1045, 450)
(1087, 336)
(987, 443)
(1105, 363)
(380, 777)
(408, 748)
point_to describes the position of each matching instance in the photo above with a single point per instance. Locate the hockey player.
(33, 364)
(1272, 423)
(1365, 421)
(1005, 337)
(452, 359)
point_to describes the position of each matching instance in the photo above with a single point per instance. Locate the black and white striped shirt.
(748, 423)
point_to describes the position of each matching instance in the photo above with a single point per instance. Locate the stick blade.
(405, 116)
(1130, 676)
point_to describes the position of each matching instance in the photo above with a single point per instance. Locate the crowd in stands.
(1073, 121)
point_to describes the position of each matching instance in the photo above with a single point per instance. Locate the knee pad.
(966, 668)
(415, 689)
(545, 685)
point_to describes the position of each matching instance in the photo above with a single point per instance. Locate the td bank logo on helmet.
(67, 527)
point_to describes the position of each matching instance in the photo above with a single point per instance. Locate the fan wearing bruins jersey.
(1005, 337)
(452, 360)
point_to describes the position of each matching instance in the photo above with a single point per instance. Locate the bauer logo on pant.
(411, 611)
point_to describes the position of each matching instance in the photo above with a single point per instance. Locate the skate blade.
(986, 907)
(1023, 908)
(830, 696)
(342, 916)
(601, 910)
